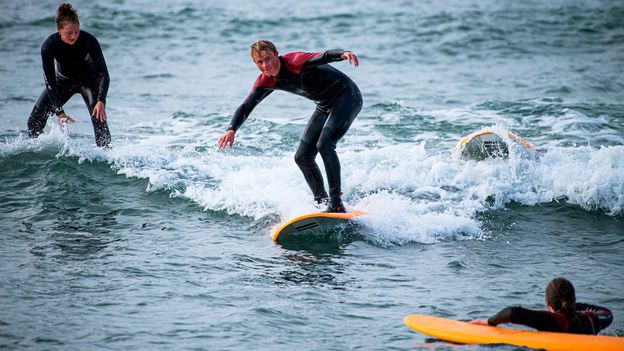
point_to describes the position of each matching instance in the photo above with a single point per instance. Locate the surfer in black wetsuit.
(338, 101)
(564, 314)
(80, 69)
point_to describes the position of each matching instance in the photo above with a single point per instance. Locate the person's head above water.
(262, 45)
(67, 23)
(560, 296)
(265, 56)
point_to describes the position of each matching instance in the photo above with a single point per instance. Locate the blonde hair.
(262, 45)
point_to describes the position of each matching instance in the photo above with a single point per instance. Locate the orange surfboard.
(312, 222)
(466, 333)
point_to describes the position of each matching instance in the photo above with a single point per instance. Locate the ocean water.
(162, 243)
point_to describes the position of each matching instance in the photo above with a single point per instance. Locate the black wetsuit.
(589, 319)
(338, 101)
(80, 69)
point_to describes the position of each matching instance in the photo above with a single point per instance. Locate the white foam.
(410, 193)
(393, 219)
(588, 177)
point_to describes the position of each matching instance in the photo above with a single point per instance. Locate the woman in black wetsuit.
(80, 69)
(564, 314)
(338, 101)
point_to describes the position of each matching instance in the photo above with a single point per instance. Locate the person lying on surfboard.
(338, 101)
(564, 314)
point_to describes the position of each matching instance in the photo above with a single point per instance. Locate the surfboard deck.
(312, 222)
(466, 333)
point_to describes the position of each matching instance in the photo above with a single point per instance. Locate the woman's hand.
(63, 118)
(99, 112)
(479, 322)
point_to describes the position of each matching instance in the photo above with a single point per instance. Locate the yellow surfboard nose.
(312, 221)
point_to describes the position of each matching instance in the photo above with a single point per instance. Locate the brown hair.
(561, 297)
(262, 45)
(65, 14)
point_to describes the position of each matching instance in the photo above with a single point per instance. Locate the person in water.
(338, 101)
(564, 314)
(80, 69)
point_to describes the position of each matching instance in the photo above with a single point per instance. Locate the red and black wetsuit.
(589, 319)
(338, 101)
(80, 69)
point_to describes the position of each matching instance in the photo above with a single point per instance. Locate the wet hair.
(262, 45)
(561, 297)
(66, 14)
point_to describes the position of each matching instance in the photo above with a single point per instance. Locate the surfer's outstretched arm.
(256, 95)
(334, 55)
(540, 320)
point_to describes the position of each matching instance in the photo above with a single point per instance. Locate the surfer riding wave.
(338, 101)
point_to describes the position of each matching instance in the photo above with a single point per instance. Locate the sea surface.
(162, 242)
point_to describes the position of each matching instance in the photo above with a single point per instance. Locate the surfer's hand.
(479, 322)
(226, 138)
(63, 118)
(98, 111)
(349, 56)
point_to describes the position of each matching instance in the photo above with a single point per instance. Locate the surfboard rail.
(466, 333)
(275, 235)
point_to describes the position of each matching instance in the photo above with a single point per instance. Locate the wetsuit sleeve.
(250, 102)
(601, 315)
(326, 57)
(102, 77)
(49, 75)
(540, 320)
